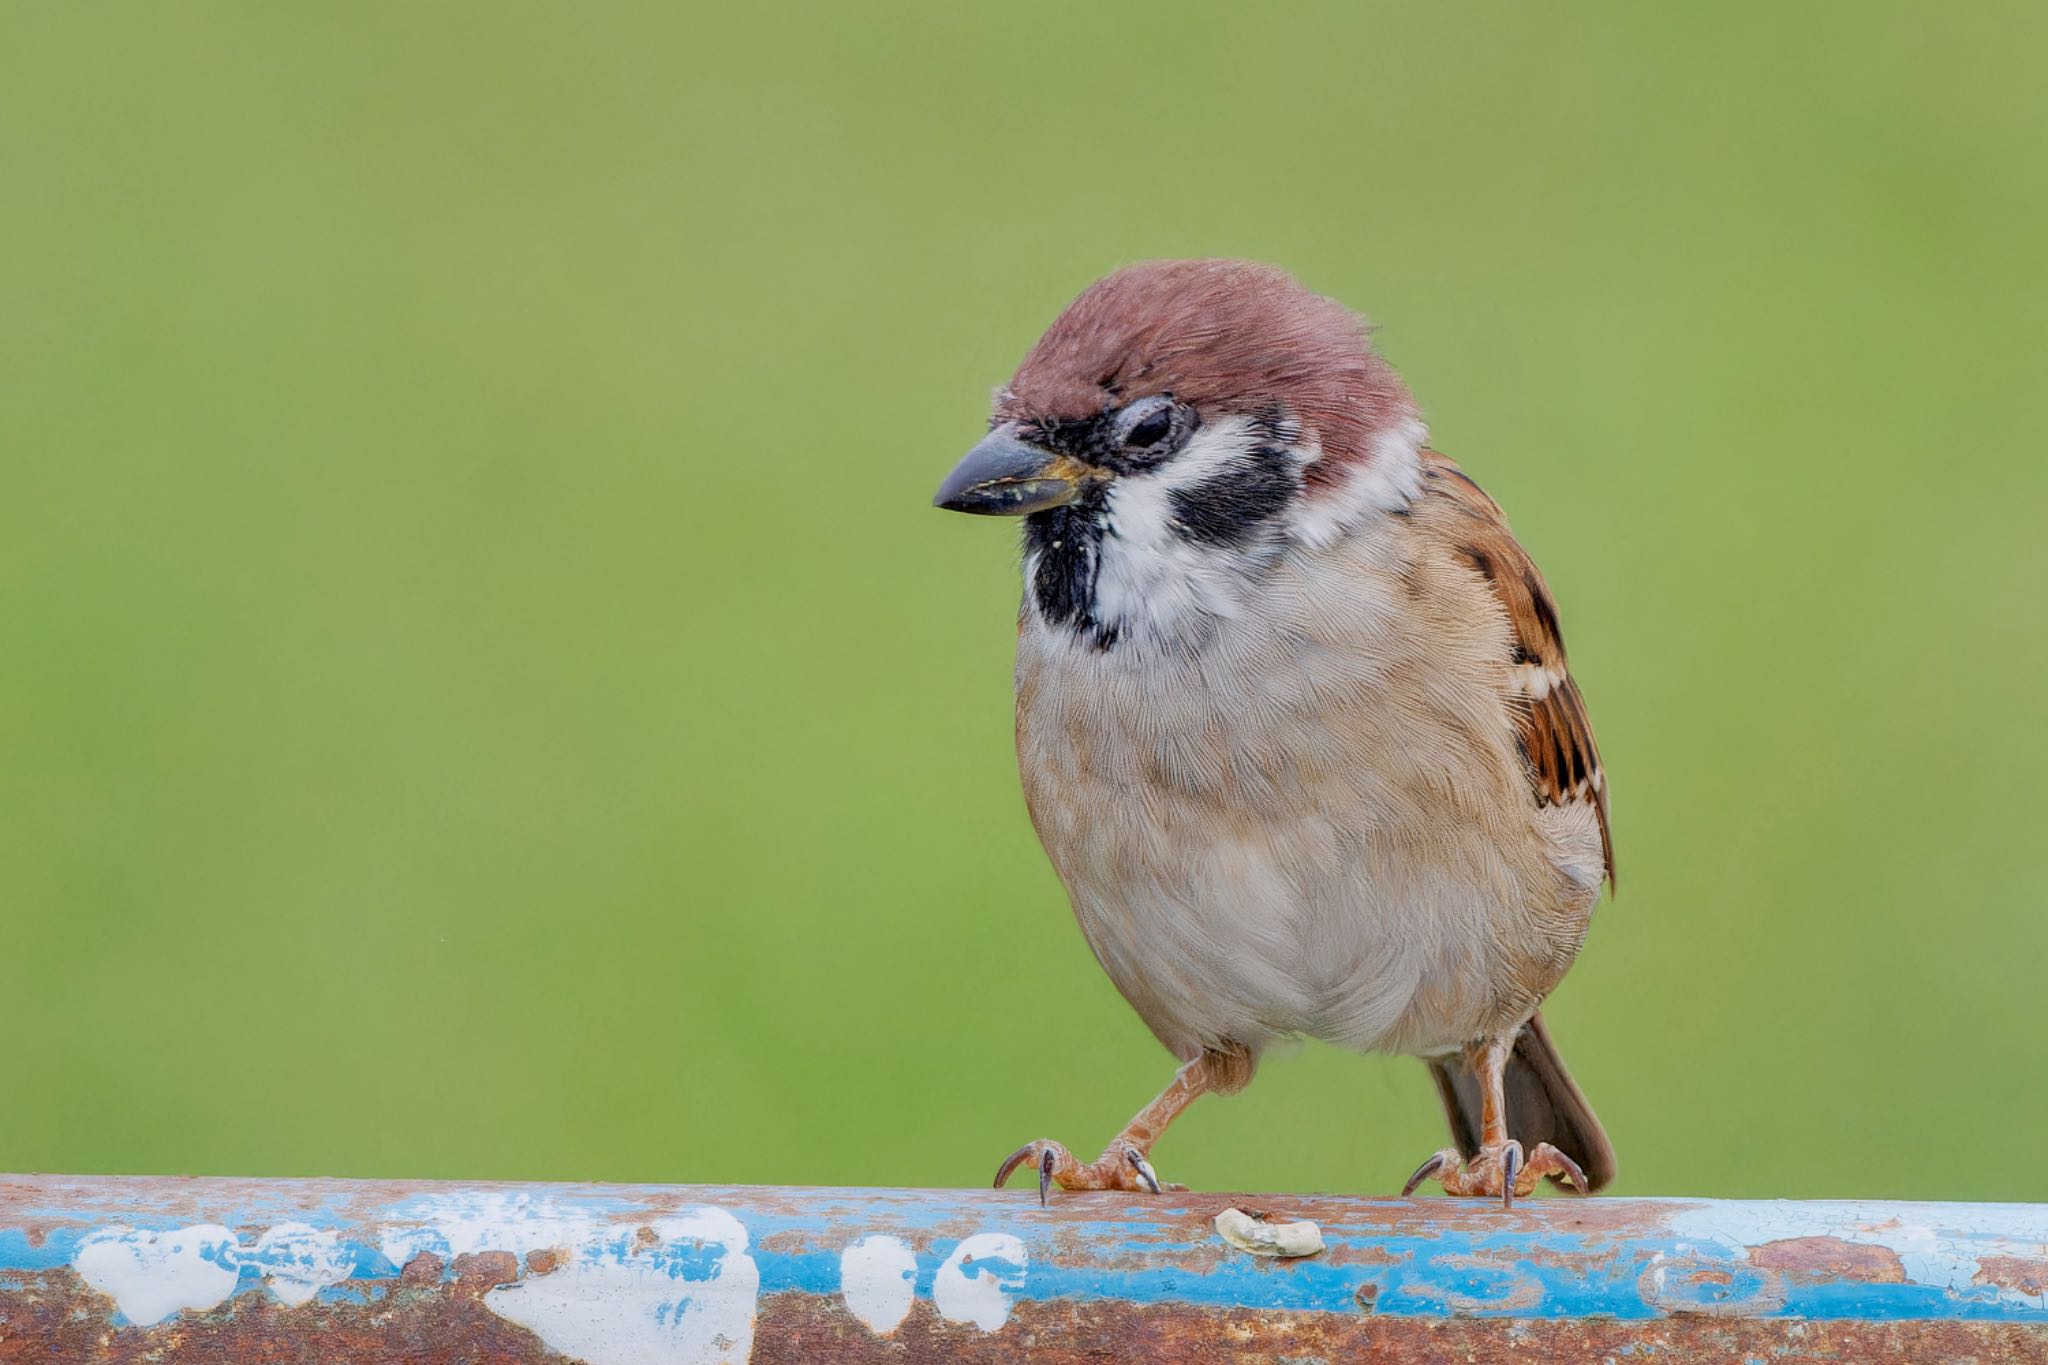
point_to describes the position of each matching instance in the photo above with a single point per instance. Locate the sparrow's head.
(1174, 430)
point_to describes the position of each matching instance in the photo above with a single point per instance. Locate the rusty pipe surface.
(232, 1271)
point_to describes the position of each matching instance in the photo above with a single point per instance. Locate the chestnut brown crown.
(1227, 337)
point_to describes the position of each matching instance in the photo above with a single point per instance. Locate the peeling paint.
(970, 1289)
(152, 1275)
(689, 1299)
(242, 1272)
(1938, 1246)
(1712, 1285)
(300, 1260)
(878, 1281)
(2024, 1276)
(457, 1224)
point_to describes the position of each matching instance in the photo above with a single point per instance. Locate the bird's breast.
(1308, 824)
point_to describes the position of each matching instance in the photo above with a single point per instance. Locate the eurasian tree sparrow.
(1293, 716)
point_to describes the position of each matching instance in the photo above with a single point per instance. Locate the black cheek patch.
(1065, 582)
(1230, 508)
(1068, 543)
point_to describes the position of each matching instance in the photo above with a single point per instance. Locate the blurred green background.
(482, 692)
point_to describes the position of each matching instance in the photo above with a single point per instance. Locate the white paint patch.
(451, 1225)
(300, 1260)
(1947, 1258)
(878, 1280)
(686, 1298)
(151, 1275)
(982, 1297)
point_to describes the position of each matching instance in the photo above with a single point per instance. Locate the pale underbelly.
(1317, 935)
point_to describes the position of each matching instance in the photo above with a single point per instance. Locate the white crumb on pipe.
(1261, 1238)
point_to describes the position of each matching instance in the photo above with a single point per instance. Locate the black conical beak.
(1007, 477)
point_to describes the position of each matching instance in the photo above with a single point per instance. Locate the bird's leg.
(1126, 1163)
(1500, 1168)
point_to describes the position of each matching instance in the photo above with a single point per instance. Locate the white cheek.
(1206, 454)
(1389, 478)
(1152, 578)
(1153, 581)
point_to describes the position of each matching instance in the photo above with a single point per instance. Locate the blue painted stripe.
(1693, 1256)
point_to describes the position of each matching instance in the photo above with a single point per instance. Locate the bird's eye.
(1151, 431)
(1151, 426)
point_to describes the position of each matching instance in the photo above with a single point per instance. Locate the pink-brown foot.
(1501, 1172)
(1122, 1167)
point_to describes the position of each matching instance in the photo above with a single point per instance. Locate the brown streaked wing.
(1550, 716)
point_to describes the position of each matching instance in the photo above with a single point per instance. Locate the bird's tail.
(1544, 1105)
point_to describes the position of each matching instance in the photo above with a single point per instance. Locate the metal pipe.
(235, 1271)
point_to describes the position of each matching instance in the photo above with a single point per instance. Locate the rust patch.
(1822, 1259)
(789, 1242)
(645, 1237)
(424, 1268)
(478, 1272)
(1365, 1254)
(59, 1319)
(545, 1262)
(2014, 1272)
(796, 1329)
(50, 1316)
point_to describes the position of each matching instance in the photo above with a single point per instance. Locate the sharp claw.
(1422, 1173)
(1045, 1178)
(1510, 1167)
(1012, 1162)
(1572, 1172)
(1143, 1168)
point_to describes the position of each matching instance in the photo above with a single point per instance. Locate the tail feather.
(1544, 1105)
